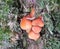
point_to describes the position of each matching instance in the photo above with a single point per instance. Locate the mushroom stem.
(31, 18)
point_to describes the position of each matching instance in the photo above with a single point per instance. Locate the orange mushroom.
(30, 16)
(33, 36)
(32, 12)
(38, 22)
(36, 29)
(25, 24)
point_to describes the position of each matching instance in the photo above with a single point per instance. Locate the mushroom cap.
(36, 29)
(25, 24)
(33, 36)
(38, 22)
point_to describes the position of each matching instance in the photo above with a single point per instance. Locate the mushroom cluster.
(32, 27)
